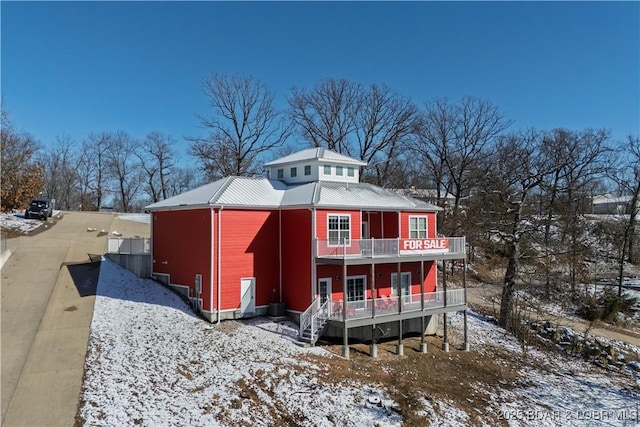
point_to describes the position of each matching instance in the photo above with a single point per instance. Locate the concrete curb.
(4, 257)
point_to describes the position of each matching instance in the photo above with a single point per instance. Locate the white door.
(324, 289)
(247, 296)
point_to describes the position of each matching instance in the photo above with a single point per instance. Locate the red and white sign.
(420, 246)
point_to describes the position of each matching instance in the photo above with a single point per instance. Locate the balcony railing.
(389, 305)
(380, 248)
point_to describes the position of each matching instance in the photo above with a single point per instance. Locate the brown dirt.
(457, 377)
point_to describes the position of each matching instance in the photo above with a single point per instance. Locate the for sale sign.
(423, 246)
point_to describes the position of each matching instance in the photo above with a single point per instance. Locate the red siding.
(390, 225)
(296, 259)
(431, 223)
(249, 249)
(383, 277)
(182, 248)
(322, 224)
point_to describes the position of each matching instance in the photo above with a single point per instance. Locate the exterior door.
(324, 289)
(405, 285)
(247, 296)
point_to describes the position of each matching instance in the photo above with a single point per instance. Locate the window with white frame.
(356, 287)
(280, 173)
(327, 170)
(338, 170)
(350, 171)
(405, 283)
(294, 172)
(339, 229)
(417, 227)
(307, 170)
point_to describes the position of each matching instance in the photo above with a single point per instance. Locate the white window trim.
(341, 170)
(426, 226)
(364, 284)
(324, 171)
(351, 172)
(331, 245)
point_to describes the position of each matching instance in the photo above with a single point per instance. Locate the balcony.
(379, 308)
(351, 251)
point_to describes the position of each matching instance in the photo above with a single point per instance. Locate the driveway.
(48, 291)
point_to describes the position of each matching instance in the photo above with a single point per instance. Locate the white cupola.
(315, 164)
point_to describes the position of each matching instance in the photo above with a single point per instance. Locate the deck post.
(345, 329)
(373, 290)
(466, 338)
(464, 286)
(423, 345)
(445, 344)
(400, 347)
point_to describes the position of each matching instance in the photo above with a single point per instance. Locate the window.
(339, 229)
(307, 170)
(294, 172)
(356, 288)
(338, 170)
(418, 227)
(327, 169)
(405, 283)
(280, 173)
(350, 172)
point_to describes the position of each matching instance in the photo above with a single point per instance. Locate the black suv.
(39, 208)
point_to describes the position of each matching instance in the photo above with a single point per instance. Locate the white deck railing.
(129, 245)
(394, 305)
(379, 248)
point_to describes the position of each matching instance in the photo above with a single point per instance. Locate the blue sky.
(79, 67)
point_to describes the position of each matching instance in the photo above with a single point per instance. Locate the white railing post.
(373, 246)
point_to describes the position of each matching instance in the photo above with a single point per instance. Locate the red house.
(347, 259)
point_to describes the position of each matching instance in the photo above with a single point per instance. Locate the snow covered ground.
(17, 222)
(138, 217)
(152, 362)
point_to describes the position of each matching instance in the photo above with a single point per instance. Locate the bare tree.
(433, 135)
(93, 176)
(156, 157)
(326, 115)
(22, 173)
(60, 175)
(577, 161)
(245, 125)
(454, 140)
(384, 124)
(123, 164)
(522, 169)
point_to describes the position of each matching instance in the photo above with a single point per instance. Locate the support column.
(445, 343)
(464, 286)
(423, 344)
(345, 329)
(400, 346)
(466, 340)
(374, 347)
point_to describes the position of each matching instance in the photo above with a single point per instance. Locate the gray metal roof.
(318, 153)
(262, 192)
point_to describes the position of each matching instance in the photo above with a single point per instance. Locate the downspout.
(314, 246)
(280, 251)
(219, 261)
(213, 227)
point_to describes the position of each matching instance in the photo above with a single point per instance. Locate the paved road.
(485, 295)
(47, 306)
